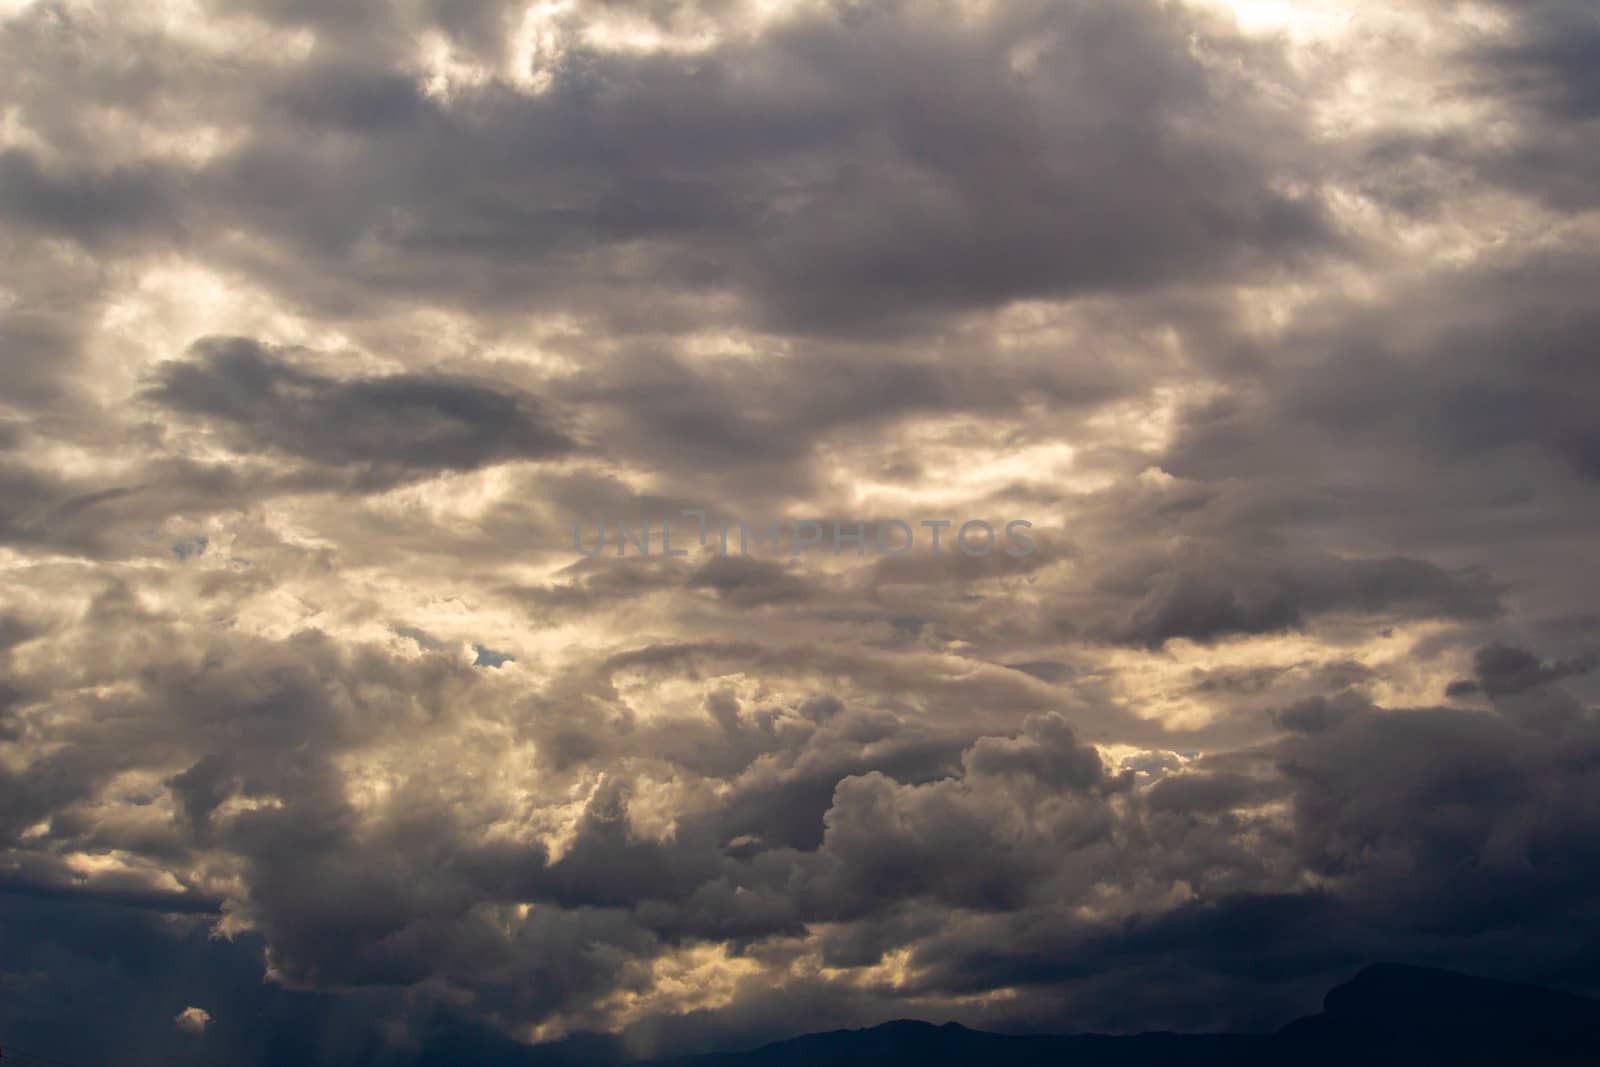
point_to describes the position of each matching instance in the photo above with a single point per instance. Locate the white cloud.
(192, 1020)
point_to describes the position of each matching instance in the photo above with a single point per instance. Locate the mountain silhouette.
(1386, 1014)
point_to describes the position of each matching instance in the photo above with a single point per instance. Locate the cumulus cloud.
(192, 1020)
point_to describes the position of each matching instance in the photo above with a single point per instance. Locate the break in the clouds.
(323, 324)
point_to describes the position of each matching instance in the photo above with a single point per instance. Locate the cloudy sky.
(321, 325)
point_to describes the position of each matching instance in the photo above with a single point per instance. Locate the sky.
(322, 740)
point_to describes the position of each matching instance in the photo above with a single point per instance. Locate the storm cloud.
(321, 743)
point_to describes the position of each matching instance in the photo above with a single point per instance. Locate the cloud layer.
(319, 743)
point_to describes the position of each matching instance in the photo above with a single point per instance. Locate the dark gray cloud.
(1203, 595)
(1504, 670)
(88, 206)
(816, 172)
(1536, 70)
(382, 429)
